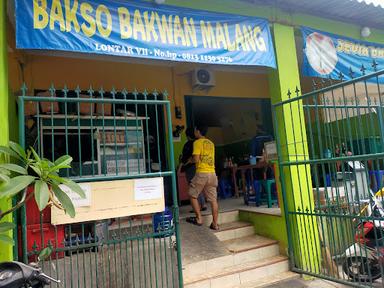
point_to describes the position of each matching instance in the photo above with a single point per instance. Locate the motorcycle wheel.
(357, 269)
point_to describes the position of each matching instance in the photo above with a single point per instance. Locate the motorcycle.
(19, 275)
(364, 259)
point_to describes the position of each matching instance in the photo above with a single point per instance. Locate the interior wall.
(232, 120)
(39, 71)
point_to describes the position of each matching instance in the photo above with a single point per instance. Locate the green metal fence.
(111, 135)
(331, 152)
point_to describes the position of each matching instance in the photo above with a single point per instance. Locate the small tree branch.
(18, 205)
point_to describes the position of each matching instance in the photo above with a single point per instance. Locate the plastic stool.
(269, 186)
(163, 222)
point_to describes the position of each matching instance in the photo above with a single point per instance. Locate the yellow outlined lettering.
(85, 10)
(70, 15)
(208, 35)
(104, 31)
(125, 24)
(150, 26)
(40, 14)
(56, 15)
(138, 26)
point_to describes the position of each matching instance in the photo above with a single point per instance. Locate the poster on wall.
(144, 30)
(113, 199)
(327, 55)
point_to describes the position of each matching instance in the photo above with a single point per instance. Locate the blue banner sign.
(327, 55)
(143, 29)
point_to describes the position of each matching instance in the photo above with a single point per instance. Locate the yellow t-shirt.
(206, 150)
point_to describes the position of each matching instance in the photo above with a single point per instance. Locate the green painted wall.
(292, 139)
(5, 250)
(270, 226)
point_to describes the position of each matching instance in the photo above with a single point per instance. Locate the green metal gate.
(111, 135)
(331, 160)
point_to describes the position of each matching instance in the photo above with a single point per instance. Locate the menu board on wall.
(112, 199)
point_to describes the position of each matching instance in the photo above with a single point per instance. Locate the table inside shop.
(243, 169)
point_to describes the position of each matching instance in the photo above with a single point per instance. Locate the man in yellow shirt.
(205, 179)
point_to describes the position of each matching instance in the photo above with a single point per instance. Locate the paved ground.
(315, 283)
(230, 205)
(301, 283)
(199, 243)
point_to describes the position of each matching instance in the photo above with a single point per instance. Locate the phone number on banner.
(206, 58)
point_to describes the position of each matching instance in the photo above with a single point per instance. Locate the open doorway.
(232, 125)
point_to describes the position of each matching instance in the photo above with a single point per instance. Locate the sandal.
(193, 220)
(216, 228)
(202, 209)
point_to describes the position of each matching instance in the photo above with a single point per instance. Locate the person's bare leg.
(215, 213)
(196, 208)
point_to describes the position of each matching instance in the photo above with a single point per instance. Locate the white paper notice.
(76, 199)
(149, 189)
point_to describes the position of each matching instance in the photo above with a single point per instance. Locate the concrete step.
(270, 280)
(224, 217)
(252, 248)
(242, 250)
(238, 274)
(248, 243)
(233, 230)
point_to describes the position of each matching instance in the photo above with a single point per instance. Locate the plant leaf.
(10, 152)
(18, 149)
(62, 162)
(36, 169)
(6, 226)
(56, 178)
(37, 158)
(74, 187)
(41, 194)
(15, 185)
(15, 168)
(6, 239)
(4, 179)
(66, 159)
(64, 200)
(45, 253)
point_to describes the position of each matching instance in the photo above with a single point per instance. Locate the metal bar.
(335, 159)
(332, 87)
(283, 188)
(22, 209)
(152, 255)
(345, 106)
(348, 283)
(174, 195)
(121, 177)
(93, 100)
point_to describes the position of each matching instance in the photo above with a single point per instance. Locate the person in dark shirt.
(186, 164)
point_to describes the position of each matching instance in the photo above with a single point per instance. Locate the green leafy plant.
(28, 169)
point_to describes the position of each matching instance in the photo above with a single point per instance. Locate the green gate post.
(296, 180)
(5, 249)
